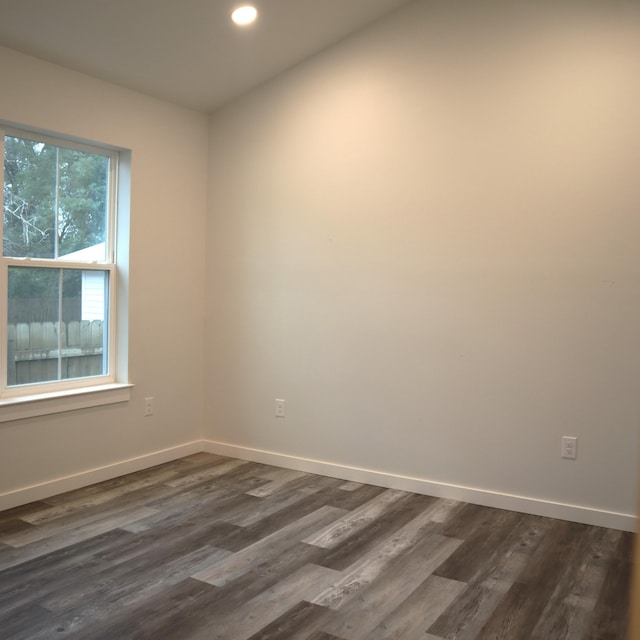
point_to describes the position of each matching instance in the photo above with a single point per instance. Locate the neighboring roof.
(95, 253)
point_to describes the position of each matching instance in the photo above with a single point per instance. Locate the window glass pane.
(55, 201)
(29, 199)
(82, 208)
(41, 348)
(33, 311)
(85, 350)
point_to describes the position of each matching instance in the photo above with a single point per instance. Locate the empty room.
(319, 319)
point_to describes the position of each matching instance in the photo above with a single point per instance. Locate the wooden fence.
(43, 309)
(36, 349)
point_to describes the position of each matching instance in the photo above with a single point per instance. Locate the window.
(58, 267)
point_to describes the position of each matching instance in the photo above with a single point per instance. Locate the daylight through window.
(58, 263)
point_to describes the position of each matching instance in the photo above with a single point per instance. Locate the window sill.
(43, 404)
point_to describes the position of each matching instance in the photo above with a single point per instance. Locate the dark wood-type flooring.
(207, 548)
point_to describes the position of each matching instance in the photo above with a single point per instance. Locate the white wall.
(166, 309)
(427, 241)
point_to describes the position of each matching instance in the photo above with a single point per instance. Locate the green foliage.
(55, 199)
(55, 203)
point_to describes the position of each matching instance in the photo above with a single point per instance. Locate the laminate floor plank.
(61, 539)
(610, 616)
(177, 613)
(130, 581)
(522, 606)
(280, 480)
(486, 588)
(13, 525)
(362, 614)
(486, 530)
(176, 466)
(395, 517)
(220, 503)
(350, 486)
(300, 622)
(73, 566)
(355, 521)
(413, 617)
(247, 620)
(276, 500)
(263, 577)
(213, 548)
(288, 514)
(569, 609)
(25, 510)
(273, 544)
(28, 616)
(352, 499)
(221, 468)
(372, 564)
(75, 522)
(141, 490)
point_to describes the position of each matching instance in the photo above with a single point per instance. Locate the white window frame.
(26, 400)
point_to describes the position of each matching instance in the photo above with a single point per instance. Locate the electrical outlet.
(569, 447)
(148, 406)
(280, 408)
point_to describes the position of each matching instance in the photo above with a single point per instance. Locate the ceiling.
(184, 51)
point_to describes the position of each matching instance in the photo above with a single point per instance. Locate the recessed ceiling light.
(244, 15)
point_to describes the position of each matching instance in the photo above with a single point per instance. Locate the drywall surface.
(168, 149)
(425, 240)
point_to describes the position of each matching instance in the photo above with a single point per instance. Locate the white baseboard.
(45, 490)
(573, 513)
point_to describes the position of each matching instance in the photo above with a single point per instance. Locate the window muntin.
(56, 199)
(58, 270)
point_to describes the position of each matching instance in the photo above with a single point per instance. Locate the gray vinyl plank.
(485, 529)
(491, 580)
(351, 550)
(520, 609)
(71, 566)
(72, 522)
(294, 492)
(247, 620)
(219, 502)
(352, 499)
(350, 486)
(568, 611)
(361, 615)
(356, 520)
(301, 622)
(279, 481)
(209, 547)
(445, 510)
(175, 466)
(374, 562)
(12, 526)
(610, 616)
(129, 582)
(287, 514)
(411, 619)
(23, 619)
(263, 577)
(24, 510)
(203, 457)
(177, 613)
(63, 539)
(206, 474)
(275, 543)
(141, 490)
